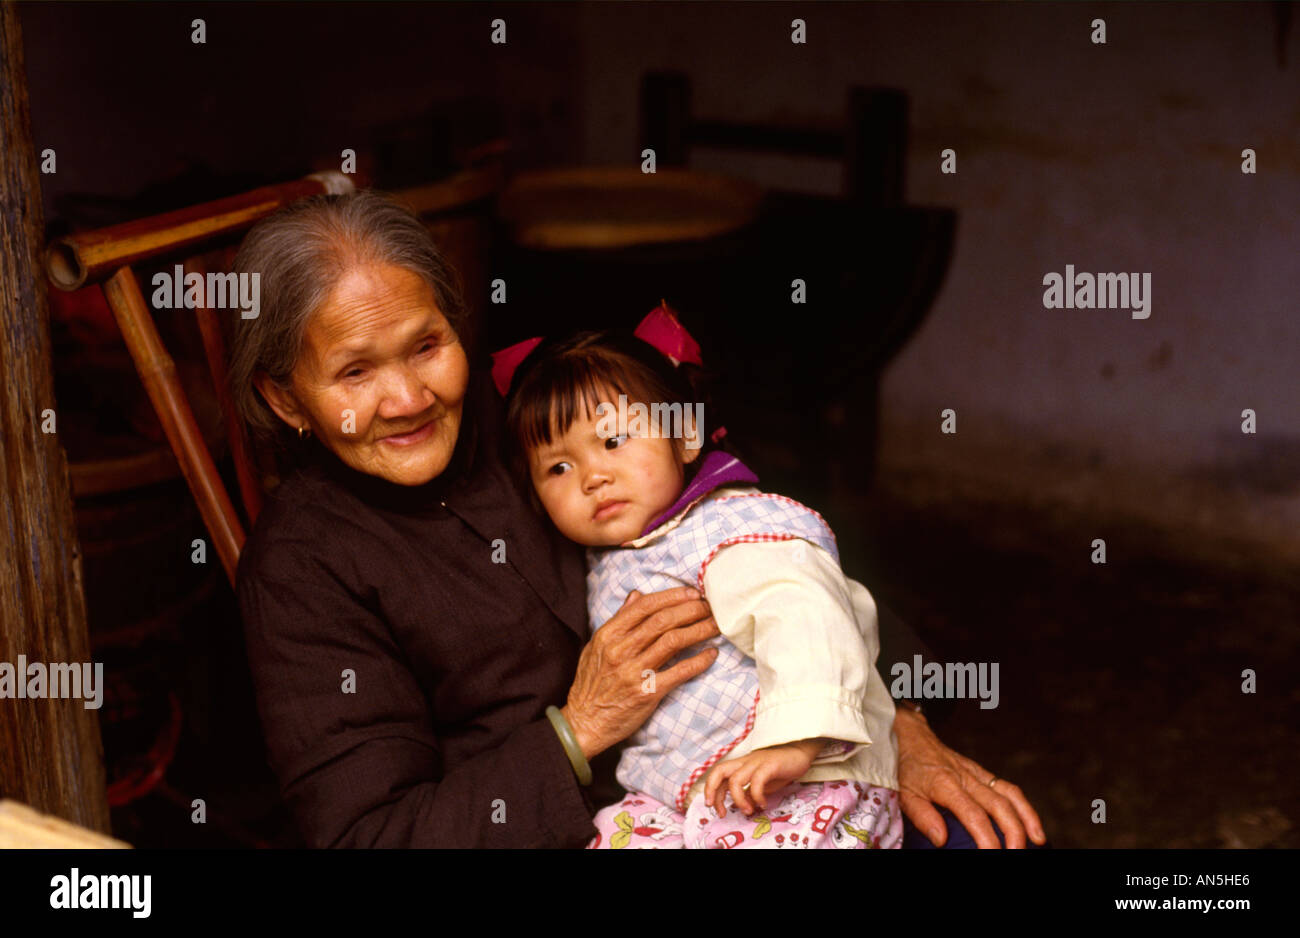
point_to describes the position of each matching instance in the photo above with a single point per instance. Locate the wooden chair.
(105, 256)
(871, 144)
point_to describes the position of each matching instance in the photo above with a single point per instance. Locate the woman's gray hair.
(300, 253)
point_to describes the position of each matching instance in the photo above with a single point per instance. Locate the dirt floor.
(1120, 682)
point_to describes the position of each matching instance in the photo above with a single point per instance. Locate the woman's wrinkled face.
(381, 377)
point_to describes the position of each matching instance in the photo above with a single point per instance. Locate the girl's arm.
(751, 778)
(788, 606)
(812, 634)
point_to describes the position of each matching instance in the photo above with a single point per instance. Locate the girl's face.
(602, 491)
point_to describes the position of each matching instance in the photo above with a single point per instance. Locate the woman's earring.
(302, 432)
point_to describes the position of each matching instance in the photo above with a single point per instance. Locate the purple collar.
(718, 468)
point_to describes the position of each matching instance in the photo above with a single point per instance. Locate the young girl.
(785, 741)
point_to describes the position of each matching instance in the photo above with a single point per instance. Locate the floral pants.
(821, 815)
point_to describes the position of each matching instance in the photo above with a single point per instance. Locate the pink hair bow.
(664, 331)
(507, 360)
(660, 328)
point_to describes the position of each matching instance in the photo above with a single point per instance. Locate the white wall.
(1122, 157)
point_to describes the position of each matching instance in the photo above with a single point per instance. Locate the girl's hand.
(759, 774)
(619, 684)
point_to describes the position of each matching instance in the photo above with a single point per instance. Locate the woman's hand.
(758, 774)
(930, 773)
(614, 691)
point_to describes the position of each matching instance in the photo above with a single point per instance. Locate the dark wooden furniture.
(105, 256)
(873, 266)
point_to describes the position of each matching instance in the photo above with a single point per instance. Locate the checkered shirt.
(702, 720)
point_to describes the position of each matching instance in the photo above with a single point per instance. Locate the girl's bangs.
(579, 384)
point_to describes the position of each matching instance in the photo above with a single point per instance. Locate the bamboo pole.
(158, 373)
(51, 755)
(455, 192)
(90, 256)
(214, 347)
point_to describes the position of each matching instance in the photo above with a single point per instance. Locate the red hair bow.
(664, 331)
(661, 328)
(507, 360)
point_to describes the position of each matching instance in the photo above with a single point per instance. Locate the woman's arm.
(930, 773)
(610, 697)
(353, 743)
(350, 738)
(899, 643)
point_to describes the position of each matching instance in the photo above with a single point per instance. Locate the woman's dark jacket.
(454, 656)
(405, 643)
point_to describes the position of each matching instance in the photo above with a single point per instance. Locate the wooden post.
(214, 348)
(51, 755)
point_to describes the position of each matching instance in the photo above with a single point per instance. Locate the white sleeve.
(788, 606)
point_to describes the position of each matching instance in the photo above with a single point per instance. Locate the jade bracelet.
(570, 743)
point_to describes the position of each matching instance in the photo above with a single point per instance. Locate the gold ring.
(745, 787)
(992, 781)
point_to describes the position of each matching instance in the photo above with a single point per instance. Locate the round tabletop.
(606, 208)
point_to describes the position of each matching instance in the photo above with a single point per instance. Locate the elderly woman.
(417, 633)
